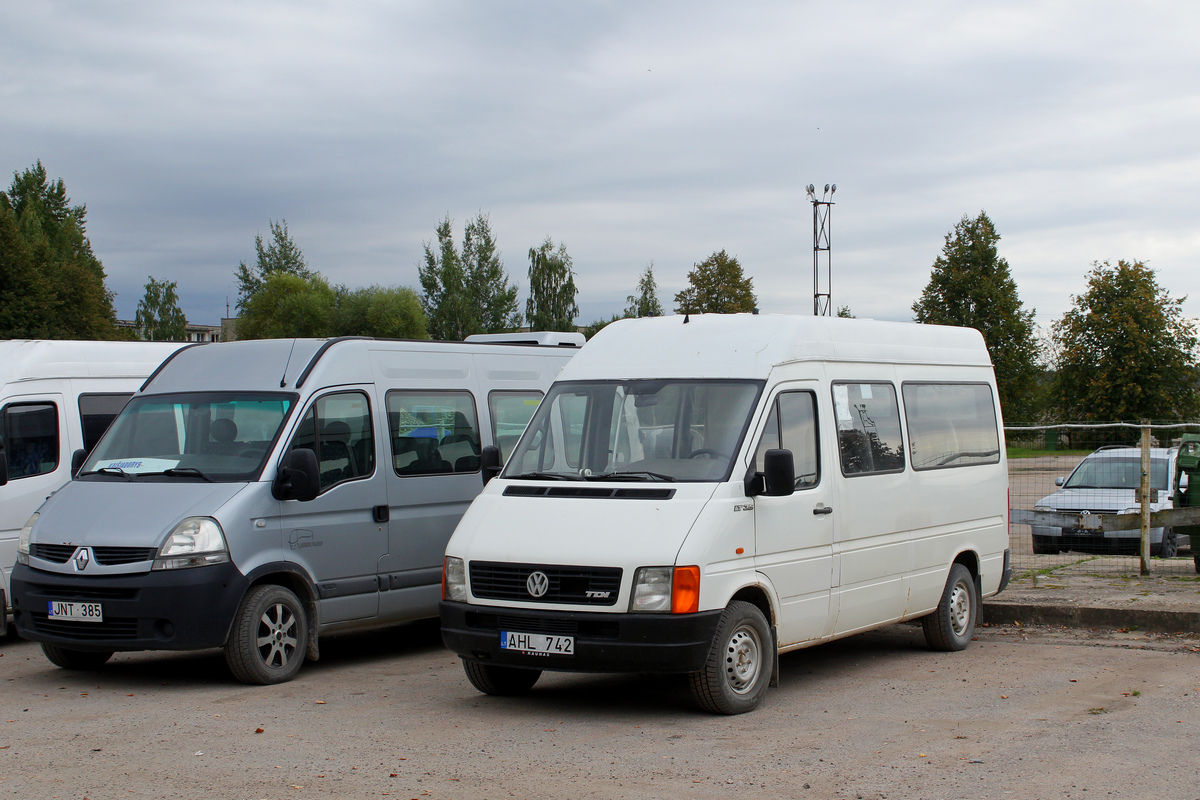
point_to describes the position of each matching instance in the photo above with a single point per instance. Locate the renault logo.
(83, 557)
(537, 584)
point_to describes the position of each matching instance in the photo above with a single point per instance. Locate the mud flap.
(775, 659)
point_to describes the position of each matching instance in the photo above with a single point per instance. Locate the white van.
(57, 397)
(696, 495)
(257, 494)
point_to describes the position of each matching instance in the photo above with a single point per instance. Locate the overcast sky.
(632, 132)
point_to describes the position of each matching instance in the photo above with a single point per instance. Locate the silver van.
(255, 495)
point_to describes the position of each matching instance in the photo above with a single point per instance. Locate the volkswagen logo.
(537, 584)
(83, 557)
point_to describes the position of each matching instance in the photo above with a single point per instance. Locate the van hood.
(126, 514)
(574, 530)
(1097, 500)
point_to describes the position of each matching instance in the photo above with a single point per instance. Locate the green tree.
(159, 318)
(1125, 352)
(971, 286)
(52, 286)
(593, 328)
(466, 292)
(844, 313)
(386, 312)
(645, 302)
(717, 286)
(280, 255)
(551, 305)
(288, 306)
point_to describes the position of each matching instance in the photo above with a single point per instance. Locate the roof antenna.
(283, 380)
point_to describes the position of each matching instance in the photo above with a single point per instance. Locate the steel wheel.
(952, 624)
(738, 671)
(960, 607)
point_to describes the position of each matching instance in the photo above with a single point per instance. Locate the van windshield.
(216, 436)
(643, 430)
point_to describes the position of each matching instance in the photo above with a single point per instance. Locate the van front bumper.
(603, 642)
(185, 609)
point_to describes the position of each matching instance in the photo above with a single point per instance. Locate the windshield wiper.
(543, 476)
(107, 471)
(174, 472)
(632, 475)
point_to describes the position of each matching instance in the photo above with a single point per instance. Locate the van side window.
(951, 424)
(96, 413)
(433, 432)
(868, 426)
(30, 438)
(338, 429)
(792, 425)
(511, 412)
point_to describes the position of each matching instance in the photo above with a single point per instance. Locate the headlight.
(673, 589)
(1042, 508)
(651, 589)
(1134, 510)
(195, 542)
(23, 540)
(454, 580)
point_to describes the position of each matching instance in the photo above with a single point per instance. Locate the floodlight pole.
(822, 300)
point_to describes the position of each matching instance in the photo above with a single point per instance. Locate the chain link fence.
(1086, 471)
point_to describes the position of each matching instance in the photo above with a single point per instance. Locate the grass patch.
(1029, 452)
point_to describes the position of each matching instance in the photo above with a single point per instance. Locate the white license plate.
(80, 612)
(537, 643)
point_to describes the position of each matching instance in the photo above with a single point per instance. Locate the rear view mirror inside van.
(299, 476)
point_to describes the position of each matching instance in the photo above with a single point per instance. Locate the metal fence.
(1047, 473)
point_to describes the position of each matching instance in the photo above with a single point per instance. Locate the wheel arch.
(294, 578)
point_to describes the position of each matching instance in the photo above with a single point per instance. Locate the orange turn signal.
(685, 590)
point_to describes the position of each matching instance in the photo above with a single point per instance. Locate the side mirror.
(299, 477)
(490, 462)
(779, 473)
(1059, 481)
(77, 459)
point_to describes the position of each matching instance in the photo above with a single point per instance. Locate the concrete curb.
(1144, 619)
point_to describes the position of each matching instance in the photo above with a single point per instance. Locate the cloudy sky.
(633, 132)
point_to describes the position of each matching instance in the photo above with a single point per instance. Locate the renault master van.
(699, 494)
(56, 397)
(256, 495)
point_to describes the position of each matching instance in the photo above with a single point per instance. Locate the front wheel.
(500, 681)
(951, 626)
(83, 660)
(269, 636)
(1169, 547)
(735, 678)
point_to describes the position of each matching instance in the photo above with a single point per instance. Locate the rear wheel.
(951, 626)
(738, 671)
(76, 659)
(269, 637)
(500, 681)
(1169, 548)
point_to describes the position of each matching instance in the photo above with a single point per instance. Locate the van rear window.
(951, 424)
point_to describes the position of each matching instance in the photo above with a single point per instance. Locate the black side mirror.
(779, 473)
(299, 477)
(490, 462)
(77, 459)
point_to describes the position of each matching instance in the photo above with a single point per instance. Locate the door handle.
(380, 513)
(819, 510)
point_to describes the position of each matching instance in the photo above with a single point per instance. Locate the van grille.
(80, 593)
(115, 628)
(108, 556)
(591, 629)
(588, 586)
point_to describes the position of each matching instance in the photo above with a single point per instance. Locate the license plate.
(539, 643)
(80, 612)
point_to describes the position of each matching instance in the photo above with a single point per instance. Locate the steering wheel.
(708, 451)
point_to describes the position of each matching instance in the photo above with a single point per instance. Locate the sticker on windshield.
(138, 464)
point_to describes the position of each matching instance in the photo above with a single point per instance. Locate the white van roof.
(750, 345)
(38, 359)
(543, 338)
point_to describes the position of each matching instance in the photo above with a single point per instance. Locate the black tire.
(500, 681)
(1044, 546)
(952, 625)
(1196, 561)
(735, 678)
(269, 636)
(76, 659)
(1169, 547)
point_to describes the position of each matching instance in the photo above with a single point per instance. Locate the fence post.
(1144, 550)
